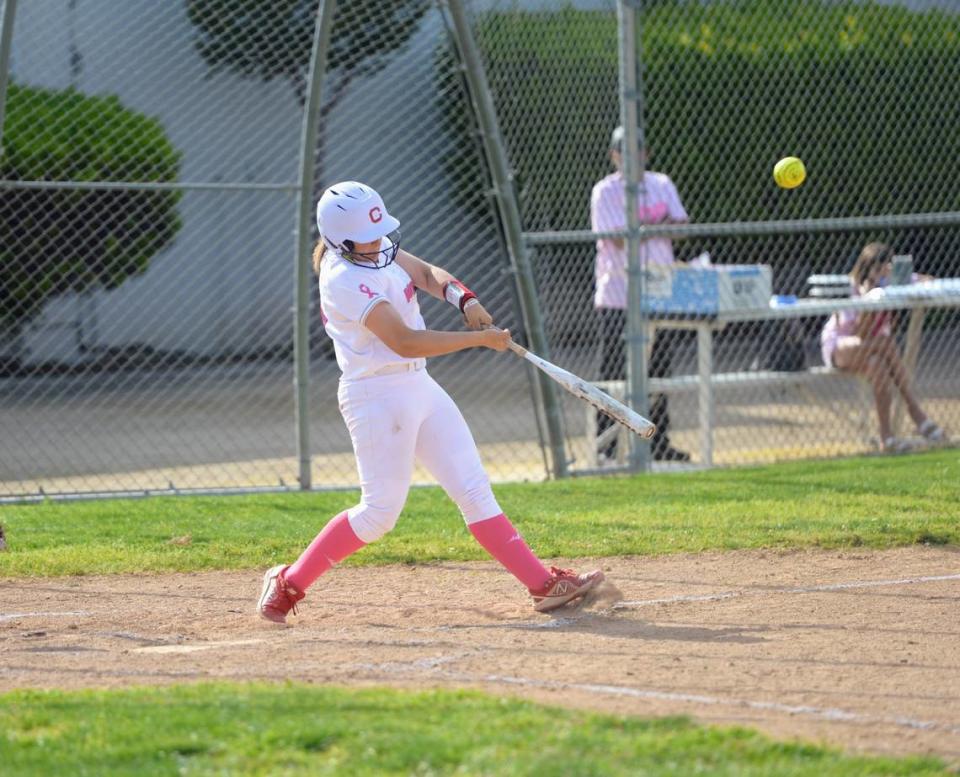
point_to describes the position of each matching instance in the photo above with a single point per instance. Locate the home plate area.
(856, 649)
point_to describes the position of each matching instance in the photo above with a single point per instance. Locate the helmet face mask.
(375, 260)
(350, 213)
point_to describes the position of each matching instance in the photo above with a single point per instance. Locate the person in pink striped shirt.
(660, 203)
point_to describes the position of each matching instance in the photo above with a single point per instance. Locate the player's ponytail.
(318, 251)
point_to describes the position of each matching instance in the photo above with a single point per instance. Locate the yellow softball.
(789, 172)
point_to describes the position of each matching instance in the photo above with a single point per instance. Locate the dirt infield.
(855, 649)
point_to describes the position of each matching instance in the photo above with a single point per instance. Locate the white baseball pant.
(394, 420)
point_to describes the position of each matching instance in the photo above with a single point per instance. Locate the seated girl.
(863, 343)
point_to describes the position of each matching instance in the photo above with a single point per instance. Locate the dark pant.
(613, 366)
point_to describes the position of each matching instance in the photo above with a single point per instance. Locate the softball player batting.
(394, 410)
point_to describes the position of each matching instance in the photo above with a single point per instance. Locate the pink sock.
(329, 547)
(505, 544)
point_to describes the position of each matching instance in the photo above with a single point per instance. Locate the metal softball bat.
(580, 388)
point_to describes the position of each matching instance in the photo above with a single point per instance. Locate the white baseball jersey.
(348, 293)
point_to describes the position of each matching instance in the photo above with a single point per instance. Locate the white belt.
(419, 364)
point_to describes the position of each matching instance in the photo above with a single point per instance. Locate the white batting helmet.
(349, 213)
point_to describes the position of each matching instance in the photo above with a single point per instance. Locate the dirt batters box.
(681, 289)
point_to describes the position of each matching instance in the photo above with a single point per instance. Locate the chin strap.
(459, 295)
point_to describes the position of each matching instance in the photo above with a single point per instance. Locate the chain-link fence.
(147, 252)
(149, 203)
(149, 208)
(864, 93)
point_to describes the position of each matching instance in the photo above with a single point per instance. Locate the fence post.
(303, 231)
(6, 41)
(631, 118)
(513, 231)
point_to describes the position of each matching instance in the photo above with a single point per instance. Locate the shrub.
(54, 240)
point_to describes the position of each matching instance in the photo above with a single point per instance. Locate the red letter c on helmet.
(375, 214)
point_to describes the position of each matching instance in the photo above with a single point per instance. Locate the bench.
(800, 380)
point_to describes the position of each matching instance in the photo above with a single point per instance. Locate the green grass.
(295, 729)
(876, 502)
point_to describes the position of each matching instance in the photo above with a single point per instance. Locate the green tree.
(272, 39)
(56, 240)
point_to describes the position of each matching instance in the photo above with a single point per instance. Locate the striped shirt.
(660, 202)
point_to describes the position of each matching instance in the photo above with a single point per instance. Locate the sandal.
(931, 431)
(896, 445)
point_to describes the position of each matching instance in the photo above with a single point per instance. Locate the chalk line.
(196, 647)
(431, 666)
(626, 605)
(10, 616)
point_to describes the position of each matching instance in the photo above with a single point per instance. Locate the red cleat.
(564, 586)
(278, 597)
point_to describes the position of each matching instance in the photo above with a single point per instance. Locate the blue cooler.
(706, 291)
